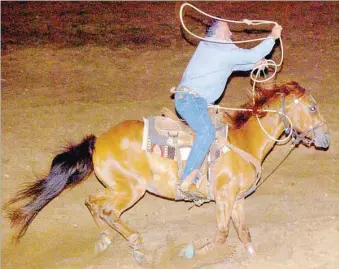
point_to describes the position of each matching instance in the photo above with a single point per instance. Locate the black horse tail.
(68, 169)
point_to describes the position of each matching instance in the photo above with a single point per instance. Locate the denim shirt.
(212, 63)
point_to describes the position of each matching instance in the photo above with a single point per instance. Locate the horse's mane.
(264, 95)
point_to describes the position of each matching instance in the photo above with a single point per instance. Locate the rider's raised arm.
(251, 56)
(243, 67)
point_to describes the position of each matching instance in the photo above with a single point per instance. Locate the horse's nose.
(326, 140)
(322, 141)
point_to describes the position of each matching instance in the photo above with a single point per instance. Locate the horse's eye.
(313, 109)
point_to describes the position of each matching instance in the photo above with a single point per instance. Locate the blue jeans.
(193, 109)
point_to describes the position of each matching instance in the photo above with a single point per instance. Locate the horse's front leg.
(224, 200)
(239, 221)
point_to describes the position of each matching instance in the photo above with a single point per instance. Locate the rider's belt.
(186, 90)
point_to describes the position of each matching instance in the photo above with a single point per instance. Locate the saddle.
(170, 137)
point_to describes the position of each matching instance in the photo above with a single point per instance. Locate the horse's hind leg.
(106, 235)
(239, 221)
(107, 206)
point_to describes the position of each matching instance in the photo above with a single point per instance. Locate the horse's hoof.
(102, 245)
(138, 255)
(188, 252)
(250, 250)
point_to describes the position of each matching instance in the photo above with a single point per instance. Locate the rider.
(203, 82)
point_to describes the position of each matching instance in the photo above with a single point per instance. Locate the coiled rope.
(260, 68)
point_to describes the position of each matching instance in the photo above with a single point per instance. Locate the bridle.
(296, 137)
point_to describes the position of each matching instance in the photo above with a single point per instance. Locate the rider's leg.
(194, 110)
(187, 181)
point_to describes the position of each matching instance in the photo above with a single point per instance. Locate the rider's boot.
(189, 188)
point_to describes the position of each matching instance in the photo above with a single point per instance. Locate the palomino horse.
(128, 172)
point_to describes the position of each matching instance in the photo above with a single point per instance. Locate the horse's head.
(308, 124)
(295, 105)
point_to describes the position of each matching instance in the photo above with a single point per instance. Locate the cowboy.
(203, 82)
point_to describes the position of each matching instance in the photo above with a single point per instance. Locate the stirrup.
(197, 197)
(192, 194)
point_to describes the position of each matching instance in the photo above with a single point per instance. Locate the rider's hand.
(262, 63)
(276, 31)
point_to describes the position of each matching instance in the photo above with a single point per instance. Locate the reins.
(296, 139)
(275, 169)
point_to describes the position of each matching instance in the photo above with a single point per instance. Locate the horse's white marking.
(124, 144)
(107, 168)
(163, 167)
(127, 144)
(106, 240)
(135, 145)
(117, 166)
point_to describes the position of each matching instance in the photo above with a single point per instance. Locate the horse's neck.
(251, 138)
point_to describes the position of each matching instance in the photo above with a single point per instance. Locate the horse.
(127, 171)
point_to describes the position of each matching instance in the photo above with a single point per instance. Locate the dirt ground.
(71, 69)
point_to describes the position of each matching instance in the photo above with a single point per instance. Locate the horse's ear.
(285, 89)
(291, 86)
(295, 84)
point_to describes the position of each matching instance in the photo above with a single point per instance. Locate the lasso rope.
(259, 68)
(246, 21)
